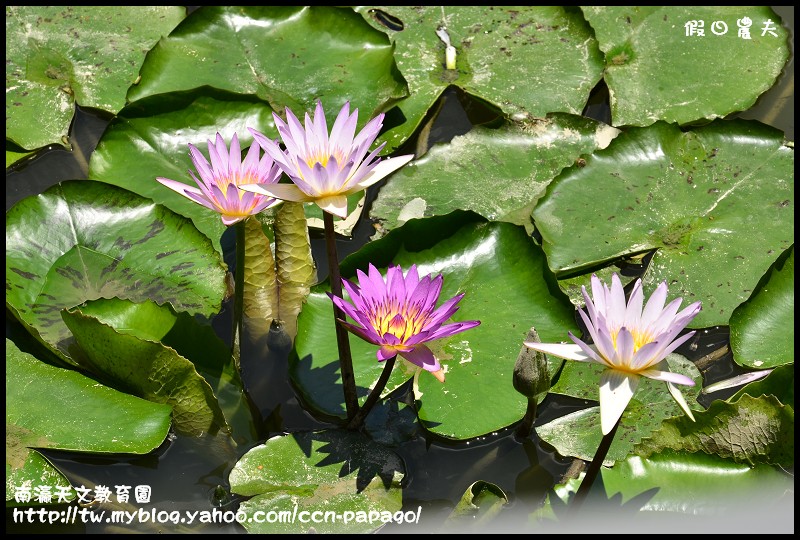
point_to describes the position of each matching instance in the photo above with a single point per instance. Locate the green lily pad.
(311, 475)
(193, 341)
(655, 71)
(289, 56)
(779, 383)
(497, 173)
(478, 507)
(527, 61)
(760, 326)
(83, 240)
(59, 56)
(719, 197)
(160, 131)
(147, 369)
(507, 286)
(578, 434)
(51, 407)
(749, 430)
(13, 157)
(693, 493)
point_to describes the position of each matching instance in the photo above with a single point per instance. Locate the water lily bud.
(530, 372)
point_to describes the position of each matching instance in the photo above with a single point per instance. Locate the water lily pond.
(487, 262)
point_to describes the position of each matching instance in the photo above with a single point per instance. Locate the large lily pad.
(655, 71)
(151, 139)
(82, 240)
(51, 407)
(749, 430)
(311, 475)
(762, 328)
(578, 434)
(59, 56)
(147, 369)
(507, 287)
(674, 491)
(498, 173)
(716, 203)
(290, 56)
(527, 61)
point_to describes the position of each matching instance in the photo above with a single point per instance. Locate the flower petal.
(422, 357)
(616, 390)
(570, 351)
(679, 399)
(285, 192)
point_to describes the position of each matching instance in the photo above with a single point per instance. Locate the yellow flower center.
(400, 321)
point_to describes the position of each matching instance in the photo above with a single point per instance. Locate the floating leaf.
(699, 491)
(578, 434)
(290, 56)
(147, 369)
(655, 71)
(51, 407)
(480, 504)
(83, 240)
(749, 430)
(760, 326)
(59, 56)
(497, 173)
(160, 130)
(717, 197)
(335, 471)
(527, 61)
(506, 283)
(779, 383)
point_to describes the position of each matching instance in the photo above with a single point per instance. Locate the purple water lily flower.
(326, 168)
(629, 341)
(218, 183)
(399, 314)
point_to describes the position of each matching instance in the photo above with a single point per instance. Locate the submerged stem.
(373, 397)
(594, 469)
(238, 295)
(342, 339)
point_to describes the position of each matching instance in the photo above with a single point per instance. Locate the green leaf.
(51, 407)
(654, 71)
(526, 61)
(59, 56)
(290, 56)
(497, 173)
(760, 326)
(676, 487)
(506, 285)
(147, 369)
(779, 383)
(333, 471)
(192, 340)
(478, 507)
(578, 434)
(749, 430)
(717, 197)
(83, 240)
(160, 130)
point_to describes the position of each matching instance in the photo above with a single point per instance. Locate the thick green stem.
(594, 469)
(526, 426)
(238, 295)
(342, 339)
(374, 396)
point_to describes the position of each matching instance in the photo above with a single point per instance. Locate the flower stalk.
(594, 469)
(342, 338)
(374, 395)
(238, 296)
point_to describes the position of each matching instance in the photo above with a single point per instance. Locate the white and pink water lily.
(400, 315)
(218, 185)
(326, 168)
(629, 341)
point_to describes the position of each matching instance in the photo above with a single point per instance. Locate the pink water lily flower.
(218, 185)
(630, 342)
(326, 168)
(399, 314)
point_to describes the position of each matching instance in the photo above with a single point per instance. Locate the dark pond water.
(191, 473)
